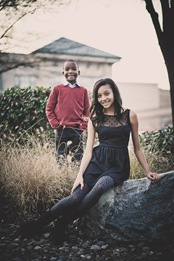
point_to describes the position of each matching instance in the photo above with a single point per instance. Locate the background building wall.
(152, 105)
(46, 70)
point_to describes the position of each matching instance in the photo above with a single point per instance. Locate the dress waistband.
(112, 146)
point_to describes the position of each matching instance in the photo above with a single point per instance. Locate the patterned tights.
(82, 199)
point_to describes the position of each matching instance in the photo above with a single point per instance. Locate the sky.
(123, 28)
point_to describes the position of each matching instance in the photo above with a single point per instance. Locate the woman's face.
(106, 97)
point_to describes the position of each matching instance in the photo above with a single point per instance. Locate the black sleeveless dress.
(111, 157)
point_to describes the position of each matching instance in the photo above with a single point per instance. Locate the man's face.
(70, 71)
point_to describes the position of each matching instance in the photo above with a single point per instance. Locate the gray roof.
(66, 46)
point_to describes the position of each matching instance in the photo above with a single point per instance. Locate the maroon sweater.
(68, 106)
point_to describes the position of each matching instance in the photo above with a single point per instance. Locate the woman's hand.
(154, 177)
(78, 181)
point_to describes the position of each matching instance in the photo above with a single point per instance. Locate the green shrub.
(23, 111)
(160, 145)
(161, 141)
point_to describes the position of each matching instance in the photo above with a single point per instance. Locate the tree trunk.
(170, 70)
(165, 39)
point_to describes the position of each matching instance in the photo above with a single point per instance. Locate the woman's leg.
(72, 206)
(65, 205)
(62, 207)
(102, 185)
(84, 200)
(66, 211)
(89, 199)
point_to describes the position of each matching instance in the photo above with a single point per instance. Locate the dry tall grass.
(156, 161)
(32, 180)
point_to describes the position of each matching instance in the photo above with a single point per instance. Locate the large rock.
(137, 211)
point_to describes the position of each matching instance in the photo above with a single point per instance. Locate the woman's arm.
(86, 156)
(138, 150)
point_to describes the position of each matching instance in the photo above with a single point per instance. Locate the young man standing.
(67, 111)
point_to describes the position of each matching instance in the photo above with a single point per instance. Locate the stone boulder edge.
(134, 212)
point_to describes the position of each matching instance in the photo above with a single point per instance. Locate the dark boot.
(61, 226)
(34, 227)
(58, 234)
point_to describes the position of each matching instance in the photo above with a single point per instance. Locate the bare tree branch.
(20, 9)
(14, 3)
(5, 32)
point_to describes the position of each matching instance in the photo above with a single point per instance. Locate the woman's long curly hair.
(96, 109)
